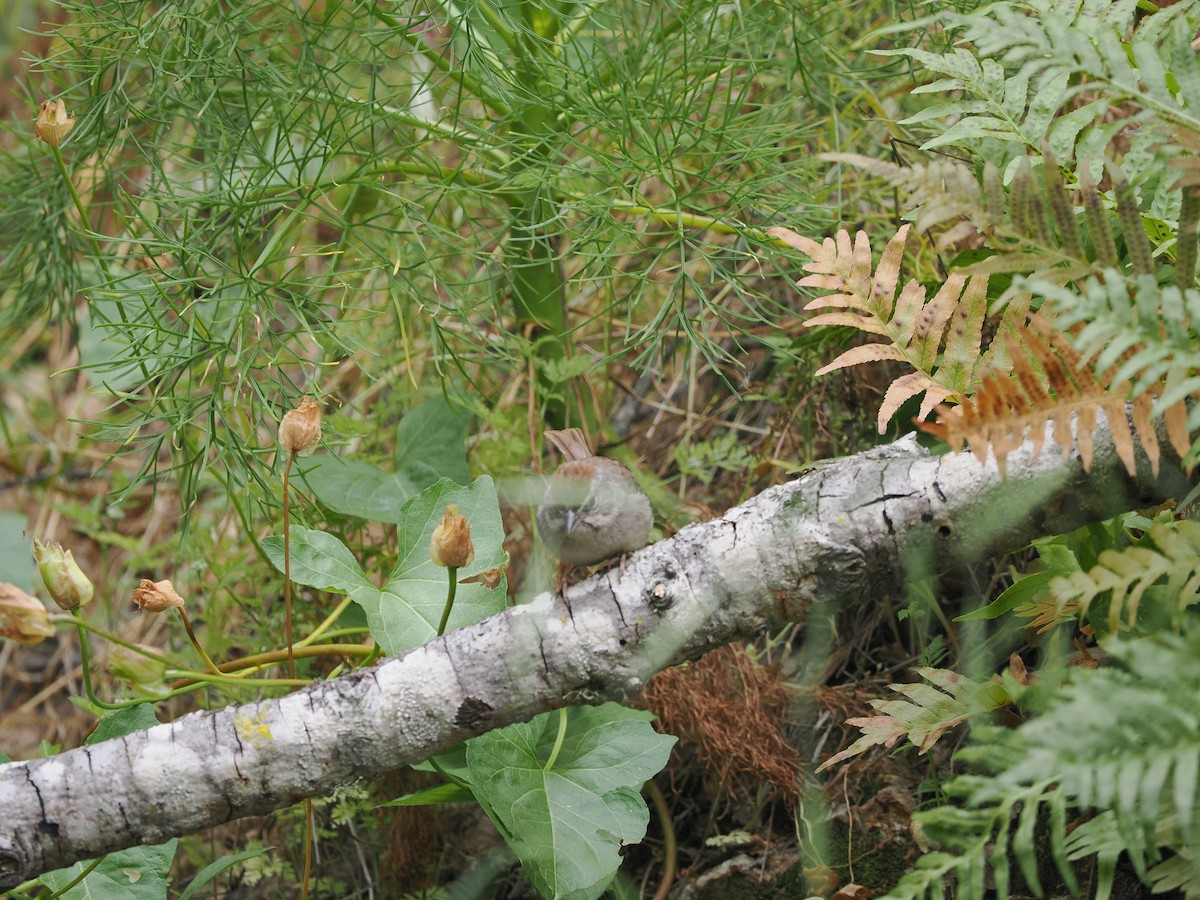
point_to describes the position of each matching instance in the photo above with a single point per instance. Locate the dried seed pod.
(53, 124)
(23, 618)
(156, 596)
(451, 543)
(301, 428)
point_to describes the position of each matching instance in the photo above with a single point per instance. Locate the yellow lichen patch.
(254, 732)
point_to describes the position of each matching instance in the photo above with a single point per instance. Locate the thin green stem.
(112, 638)
(558, 739)
(450, 592)
(86, 228)
(243, 514)
(248, 665)
(442, 62)
(237, 681)
(492, 17)
(308, 847)
(328, 623)
(87, 870)
(85, 664)
(685, 220)
(375, 653)
(84, 223)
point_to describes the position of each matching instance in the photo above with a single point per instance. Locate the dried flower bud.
(451, 545)
(489, 578)
(155, 596)
(301, 428)
(23, 618)
(65, 581)
(53, 124)
(144, 673)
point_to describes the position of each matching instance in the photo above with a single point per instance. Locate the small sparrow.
(593, 509)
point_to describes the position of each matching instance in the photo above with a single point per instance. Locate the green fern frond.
(1102, 837)
(1122, 739)
(939, 191)
(1169, 554)
(1125, 738)
(981, 835)
(1012, 89)
(994, 103)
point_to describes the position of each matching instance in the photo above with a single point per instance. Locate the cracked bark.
(839, 535)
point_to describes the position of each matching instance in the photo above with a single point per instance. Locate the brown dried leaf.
(864, 353)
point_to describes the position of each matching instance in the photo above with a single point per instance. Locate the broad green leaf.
(430, 444)
(319, 560)
(437, 795)
(122, 722)
(354, 487)
(1019, 592)
(405, 613)
(16, 557)
(139, 872)
(567, 825)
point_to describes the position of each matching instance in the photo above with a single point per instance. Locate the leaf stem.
(667, 826)
(327, 624)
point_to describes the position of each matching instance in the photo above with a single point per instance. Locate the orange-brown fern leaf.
(1049, 385)
(1047, 612)
(917, 332)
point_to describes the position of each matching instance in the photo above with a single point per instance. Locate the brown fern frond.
(1047, 612)
(1050, 385)
(919, 332)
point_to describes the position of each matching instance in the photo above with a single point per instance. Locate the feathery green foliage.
(1066, 73)
(269, 193)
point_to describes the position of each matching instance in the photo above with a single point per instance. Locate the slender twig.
(187, 624)
(291, 655)
(308, 847)
(287, 566)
